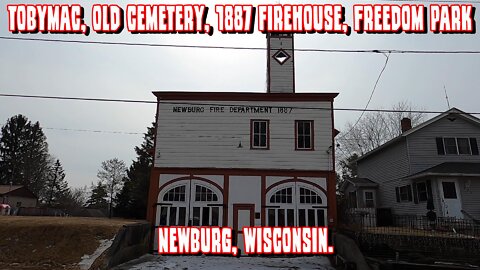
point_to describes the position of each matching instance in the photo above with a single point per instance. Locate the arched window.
(282, 196)
(176, 194)
(308, 196)
(204, 194)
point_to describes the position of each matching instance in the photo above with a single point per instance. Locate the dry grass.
(51, 242)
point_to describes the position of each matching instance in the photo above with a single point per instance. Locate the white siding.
(470, 190)
(281, 76)
(423, 148)
(244, 189)
(319, 181)
(415, 153)
(270, 180)
(386, 168)
(210, 139)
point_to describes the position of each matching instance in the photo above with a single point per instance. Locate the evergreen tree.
(132, 200)
(112, 172)
(98, 197)
(24, 158)
(56, 185)
(122, 201)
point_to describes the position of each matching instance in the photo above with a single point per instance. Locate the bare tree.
(73, 199)
(375, 129)
(112, 173)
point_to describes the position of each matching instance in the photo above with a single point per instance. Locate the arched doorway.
(296, 204)
(190, 202)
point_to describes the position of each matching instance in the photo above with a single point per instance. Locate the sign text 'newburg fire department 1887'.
(231, 109)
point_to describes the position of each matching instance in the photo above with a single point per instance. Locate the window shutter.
(440, 148)
(409, 187)
(415, 195)
(397, 191)
(429, 189)
(474, 146)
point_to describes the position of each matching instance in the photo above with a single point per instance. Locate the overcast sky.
(132, 72)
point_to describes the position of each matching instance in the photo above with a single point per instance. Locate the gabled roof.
(402, 136)
(16, 190)
(450, 169)
(7, 188)
(359, 182)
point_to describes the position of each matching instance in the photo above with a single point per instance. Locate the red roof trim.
(242, 96)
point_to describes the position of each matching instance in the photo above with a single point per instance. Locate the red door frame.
(242, 206)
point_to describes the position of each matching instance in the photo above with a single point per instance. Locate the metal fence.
(413, 225)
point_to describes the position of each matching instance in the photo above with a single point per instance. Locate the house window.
(450, 146)
(304, 135)
(404, 193)
(463, 146)
(422, 192)
(449, 190)
(457, 146)
(259, 134)
(369, 201)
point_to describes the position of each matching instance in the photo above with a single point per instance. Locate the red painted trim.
(334, 134)
(243, 172)
(226, 190)
(152, 196)
(332, 180)
(152, 203)
(263, 200)
(251, 134)
(312, 136)
(295, 176)
(293, 61)
(332, 201)
(191, 177)
(238, 96)
(154, 178)
(293, 180)
(242, 206)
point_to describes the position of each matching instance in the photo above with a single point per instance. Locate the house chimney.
(406, 124)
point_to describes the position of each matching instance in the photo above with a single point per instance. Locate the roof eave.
(429, 174)
(243, 96)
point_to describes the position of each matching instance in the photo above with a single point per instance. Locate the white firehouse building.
(245, 159)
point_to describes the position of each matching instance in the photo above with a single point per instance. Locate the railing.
(412, 225)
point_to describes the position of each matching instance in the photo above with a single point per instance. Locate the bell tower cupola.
(280, 63)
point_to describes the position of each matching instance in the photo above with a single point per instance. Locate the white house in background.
(437, 160)
(17, 196)
(245, 159)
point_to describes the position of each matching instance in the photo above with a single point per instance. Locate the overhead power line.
(219, 104)
(370, 98)
(78, 98)
(393, 51)
(94, 131)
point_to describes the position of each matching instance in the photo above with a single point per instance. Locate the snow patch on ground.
(87, 260)
(229, 263)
